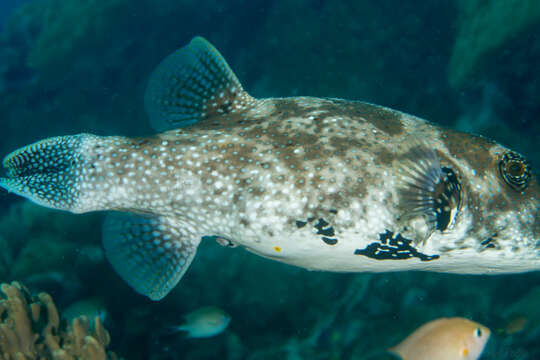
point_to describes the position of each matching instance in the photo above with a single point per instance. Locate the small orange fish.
(444, 339)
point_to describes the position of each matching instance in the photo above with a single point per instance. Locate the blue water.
(75, 66)
(6, 8)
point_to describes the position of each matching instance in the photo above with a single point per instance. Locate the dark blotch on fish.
(322, 228)
(330, 241)
(393, 247)
(300, 224)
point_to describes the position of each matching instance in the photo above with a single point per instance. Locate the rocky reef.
(31, 329)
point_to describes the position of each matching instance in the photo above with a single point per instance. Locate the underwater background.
(77, 66)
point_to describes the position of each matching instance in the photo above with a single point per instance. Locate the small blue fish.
(326, 184)
(204, 322)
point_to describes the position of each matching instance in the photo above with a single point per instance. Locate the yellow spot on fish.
(277, 248)
(465, 352)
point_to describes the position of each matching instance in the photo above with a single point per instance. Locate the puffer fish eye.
(478, 332)
(515, 171)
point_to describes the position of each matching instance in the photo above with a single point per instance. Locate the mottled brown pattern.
(471, 148)
(473, 202)
(342, 145)
(287, 108)
(225, 123)
(385, 120)
(384, 157)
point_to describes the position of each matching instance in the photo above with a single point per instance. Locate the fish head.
(473, 196)
(476, 338)
(503, 196)
(516, 196)
(499, 198)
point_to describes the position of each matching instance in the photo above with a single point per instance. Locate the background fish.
(91, 307)
(523, 314)
(204, 322)
(515, 324)
(325, 184)
(444, 339)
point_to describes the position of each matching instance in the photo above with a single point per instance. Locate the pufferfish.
(321, 183)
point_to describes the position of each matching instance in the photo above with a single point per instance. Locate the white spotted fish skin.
(312, 182)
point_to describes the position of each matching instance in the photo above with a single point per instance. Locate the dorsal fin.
(192, 84)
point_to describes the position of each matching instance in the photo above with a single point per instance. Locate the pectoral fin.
(149, 252)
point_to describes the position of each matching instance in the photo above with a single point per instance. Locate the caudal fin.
(47, 172)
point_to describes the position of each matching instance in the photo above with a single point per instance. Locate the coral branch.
(31, 329)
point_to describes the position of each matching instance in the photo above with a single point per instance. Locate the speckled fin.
(149, 253)
(429, 189)
(421, 172)
(192, 84)
(46, 172)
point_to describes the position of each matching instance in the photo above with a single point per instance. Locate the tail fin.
(47, 172)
